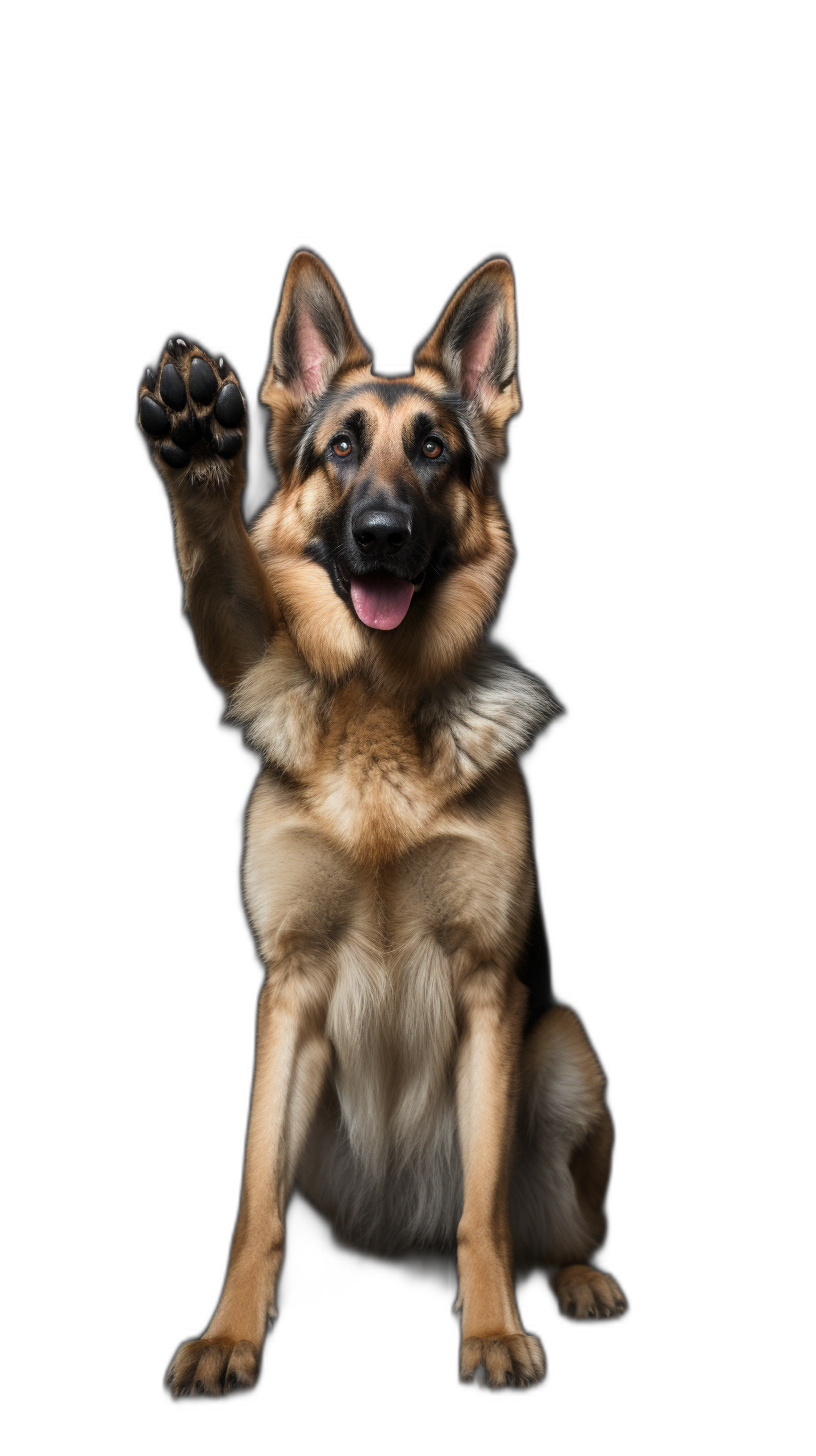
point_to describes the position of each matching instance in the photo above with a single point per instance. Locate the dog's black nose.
(381, 532)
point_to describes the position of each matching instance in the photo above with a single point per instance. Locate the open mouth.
(380, 599)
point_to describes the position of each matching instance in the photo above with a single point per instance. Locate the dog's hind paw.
(507, 1359)
(194, 415)
(586, 1293)
(212, 1367)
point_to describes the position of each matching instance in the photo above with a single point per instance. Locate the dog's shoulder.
(283, 708)
(488, 714)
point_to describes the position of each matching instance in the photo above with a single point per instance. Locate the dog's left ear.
(474, 343)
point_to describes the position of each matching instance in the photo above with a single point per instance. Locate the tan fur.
(388, 872)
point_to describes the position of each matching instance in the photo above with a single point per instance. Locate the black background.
(592, 494)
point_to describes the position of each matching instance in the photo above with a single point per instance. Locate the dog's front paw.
(507, 1359)
(213, 1366)
(194, 415)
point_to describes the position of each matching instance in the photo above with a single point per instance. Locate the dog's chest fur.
(378, 842)
(375, 773)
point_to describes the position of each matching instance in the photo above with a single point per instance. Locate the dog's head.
(386, 541)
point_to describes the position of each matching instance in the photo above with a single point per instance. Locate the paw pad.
(229, 406)
(195, 413)
(203, 382)
(152, 416)
(172, 388)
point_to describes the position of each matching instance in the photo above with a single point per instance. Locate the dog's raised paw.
(194, 415)
(507, 1359)
(212, 1367)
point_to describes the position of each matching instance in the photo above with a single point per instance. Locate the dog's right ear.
(314, 336)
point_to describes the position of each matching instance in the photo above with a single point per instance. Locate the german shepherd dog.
(413, 1073)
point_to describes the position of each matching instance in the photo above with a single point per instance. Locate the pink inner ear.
(476, 354)
(311, 351)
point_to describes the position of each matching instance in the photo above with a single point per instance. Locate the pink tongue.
(381, 600)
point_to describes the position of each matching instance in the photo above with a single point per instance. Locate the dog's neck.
(375, 773)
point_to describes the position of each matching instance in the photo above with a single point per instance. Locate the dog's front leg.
(193, 414)
(486, 1088)
(291, 1061)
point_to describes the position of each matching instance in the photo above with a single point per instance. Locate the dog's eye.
(341, 446)
(432, 447)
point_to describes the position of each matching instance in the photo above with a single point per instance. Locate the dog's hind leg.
(582, 1291)
(562, 1165)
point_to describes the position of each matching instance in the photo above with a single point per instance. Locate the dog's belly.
(410, 1199)
(384, 1159)
(383, 1166)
